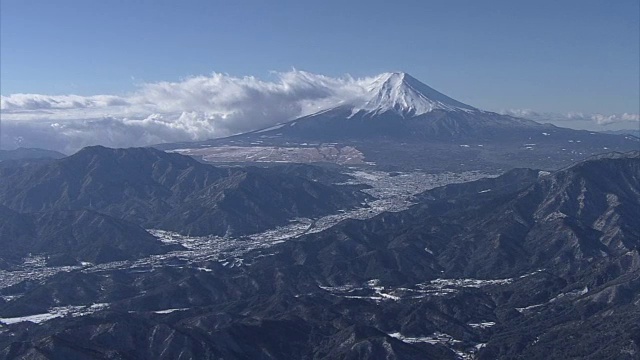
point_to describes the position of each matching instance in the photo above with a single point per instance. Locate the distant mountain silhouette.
(29, 153)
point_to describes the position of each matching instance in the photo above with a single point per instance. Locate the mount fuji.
(396, 121)
(394, 105)
(401, 93)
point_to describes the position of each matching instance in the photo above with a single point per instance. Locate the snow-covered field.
(258, 152)
(57, 312)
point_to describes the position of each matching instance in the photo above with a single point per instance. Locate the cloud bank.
(578, 120)
(196, 108)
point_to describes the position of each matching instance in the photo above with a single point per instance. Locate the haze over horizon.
(114, 75)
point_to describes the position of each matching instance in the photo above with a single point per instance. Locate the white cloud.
(525, 113)
(630, 117)
(221, 96)
(604, 119)
(196, 108)
(35, 102)
(578, 120)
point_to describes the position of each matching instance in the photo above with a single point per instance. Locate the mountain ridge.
(73, 236)
(170, 191)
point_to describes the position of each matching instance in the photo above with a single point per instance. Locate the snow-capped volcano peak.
(403, 94)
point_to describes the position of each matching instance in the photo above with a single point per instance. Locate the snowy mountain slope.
(403, 94)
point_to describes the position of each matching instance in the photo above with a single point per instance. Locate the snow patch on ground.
(38, 318)
(169, 311)
(275, 127)
(463, 351)
(529, 308)
(373, 290)
(466, 283)
(57, 312)
(435, 338)
(482, 325)
(570, 295)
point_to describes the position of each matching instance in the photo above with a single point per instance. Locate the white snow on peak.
(401, 93)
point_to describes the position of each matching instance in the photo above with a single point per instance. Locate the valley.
(390, 193)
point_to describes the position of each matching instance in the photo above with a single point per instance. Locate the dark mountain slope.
(81, 235)
(16, 231)
(492, 228)
(29, 153)
(563, 221)
(170, 191)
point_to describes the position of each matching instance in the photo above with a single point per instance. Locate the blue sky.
(572, 62)
(546, 55)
